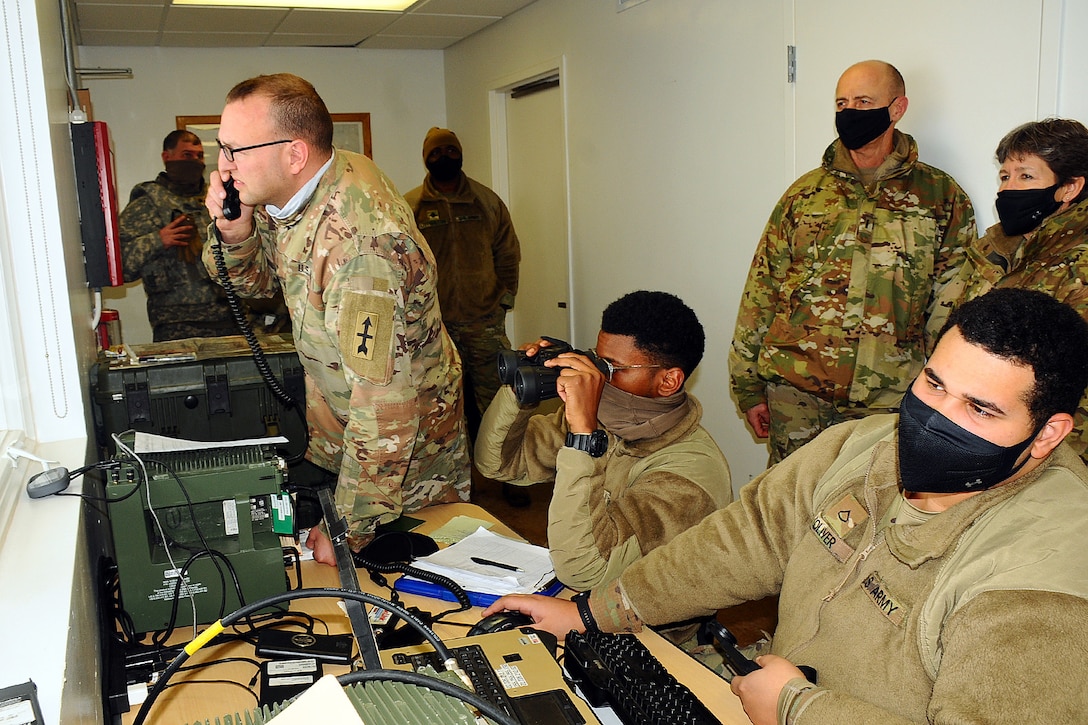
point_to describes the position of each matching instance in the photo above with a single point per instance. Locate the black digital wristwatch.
(595, 443)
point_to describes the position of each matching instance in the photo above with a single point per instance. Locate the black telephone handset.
(734, 658)
(232, 205)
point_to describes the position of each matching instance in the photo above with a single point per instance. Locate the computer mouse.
(500, 622)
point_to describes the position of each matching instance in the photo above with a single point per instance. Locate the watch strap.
(595, 443)
(581, 599)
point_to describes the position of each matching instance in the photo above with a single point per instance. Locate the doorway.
(532, 122)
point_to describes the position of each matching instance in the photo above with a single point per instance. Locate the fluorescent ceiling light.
(308, 4)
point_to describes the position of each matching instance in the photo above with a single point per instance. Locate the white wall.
(1073, 59)
(402, 90)
(673, 170)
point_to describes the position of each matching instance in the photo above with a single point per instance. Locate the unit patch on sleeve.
(366, 334)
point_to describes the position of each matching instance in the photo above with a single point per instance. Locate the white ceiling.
(427, 24)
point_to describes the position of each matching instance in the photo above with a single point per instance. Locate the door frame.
(498, 96)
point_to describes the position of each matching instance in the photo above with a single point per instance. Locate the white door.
(536, 154)
(967, 82)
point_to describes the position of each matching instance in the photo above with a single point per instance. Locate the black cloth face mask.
(938, 456)
(1022, 210)
(444, 168)
(857, 128)
(186, 172)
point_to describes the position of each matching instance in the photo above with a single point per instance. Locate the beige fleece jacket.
(978, 615)
(606, 512)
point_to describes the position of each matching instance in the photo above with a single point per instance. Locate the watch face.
(598, 443)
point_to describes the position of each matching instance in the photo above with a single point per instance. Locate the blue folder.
(408, 585)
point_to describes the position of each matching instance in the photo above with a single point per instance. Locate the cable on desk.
(216, 682)
(222, 661)
(376, 570)
(215, 629)
(291, 553)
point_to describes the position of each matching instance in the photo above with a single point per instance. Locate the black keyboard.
(474, 663)
(618, 671)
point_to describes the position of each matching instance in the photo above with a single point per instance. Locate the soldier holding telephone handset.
(328, 228)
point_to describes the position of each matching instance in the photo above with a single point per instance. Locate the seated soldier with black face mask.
(929, 565)
(632, 465)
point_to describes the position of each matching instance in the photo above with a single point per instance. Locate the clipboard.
(408, 585)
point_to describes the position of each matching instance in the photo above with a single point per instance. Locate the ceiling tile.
(112, 17)
(415, 42)
(498, 8)
(184, 18)
(307, 40)
(156, 3)
(318, 22)
(213, 40)
(421, 24)
(426, 25)
(119, 38)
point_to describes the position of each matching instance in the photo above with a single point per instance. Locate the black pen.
(499, 564)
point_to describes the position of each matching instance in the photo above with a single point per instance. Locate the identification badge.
(889, 605)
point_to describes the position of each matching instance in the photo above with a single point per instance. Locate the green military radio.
(194, 531)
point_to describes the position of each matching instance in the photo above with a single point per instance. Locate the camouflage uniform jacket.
(957, 618)
(383, 379)
(843, 279)
(1052, 259)
(606, 512)
(178, 291)
(473, 240)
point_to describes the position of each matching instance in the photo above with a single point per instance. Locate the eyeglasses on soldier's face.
(229, 152)
(613, 368)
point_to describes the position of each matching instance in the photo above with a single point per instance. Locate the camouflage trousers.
(167, 331)
(797, 417)
(709, 656)
(479, 342)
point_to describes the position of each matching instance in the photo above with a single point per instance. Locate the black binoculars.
(531, 380)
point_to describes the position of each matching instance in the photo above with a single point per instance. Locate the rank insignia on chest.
(836, 523)
(846, 515)
(432, 215)
(366, 327)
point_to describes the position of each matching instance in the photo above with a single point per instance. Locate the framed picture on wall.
(350, 131)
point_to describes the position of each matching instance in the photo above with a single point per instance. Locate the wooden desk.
(196, 700)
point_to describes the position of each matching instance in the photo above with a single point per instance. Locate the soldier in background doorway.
(468, 228)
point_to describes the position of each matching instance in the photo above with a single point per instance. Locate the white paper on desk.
(455, 562)
(151, 443)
